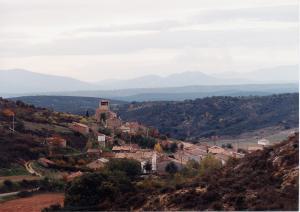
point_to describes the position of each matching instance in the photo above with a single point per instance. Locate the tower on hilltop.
(104, 106)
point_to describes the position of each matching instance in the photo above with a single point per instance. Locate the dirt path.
(32, 204)
(30, 169)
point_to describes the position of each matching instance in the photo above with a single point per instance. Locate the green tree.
(91, 189)
(173, 147)
(148, 166)
(171, 168)
(209, 164)
(132, 168)
(103, 117)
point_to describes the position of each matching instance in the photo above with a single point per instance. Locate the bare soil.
(32, 204)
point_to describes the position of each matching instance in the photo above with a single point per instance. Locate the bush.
(8, 183)
(47, 184)
(91, 189)
(209, 164)
(171, 168)
(132, 168)
(191, 168)
(52, 208)
(148, 166)
(23, 194)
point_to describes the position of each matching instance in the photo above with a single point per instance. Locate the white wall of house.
(101, 138)
(154, 158)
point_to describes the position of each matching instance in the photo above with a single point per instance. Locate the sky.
(94, 40)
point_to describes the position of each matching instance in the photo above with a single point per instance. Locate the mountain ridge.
(20, 81)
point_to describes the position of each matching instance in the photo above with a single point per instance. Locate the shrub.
(171, 168)
(52, 208)
(132, 168)
(148, 166)
(209, 164)
(92, 189)
(23, 194)
(8, 183)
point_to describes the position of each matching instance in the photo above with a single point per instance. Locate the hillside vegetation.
(263, 180)
(32, 126)
(223, 116)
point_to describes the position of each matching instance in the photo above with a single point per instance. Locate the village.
(108, 137)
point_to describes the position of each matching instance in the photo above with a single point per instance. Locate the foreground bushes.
(92, 189)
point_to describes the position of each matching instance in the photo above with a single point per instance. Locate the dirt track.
(32, 204)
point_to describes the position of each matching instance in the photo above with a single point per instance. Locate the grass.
(18, 170)
(8, 198)
(47, 172)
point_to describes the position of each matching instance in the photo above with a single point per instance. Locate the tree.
(191, 168)
(8, 112)
(103, 117)
(87, 114)
(85, 191)
(173, 147)
(171, 168)
(148, 166)
(209, 164)
(8, 183)
(132, 168)
(20, 125)
(181, 146)
(158, 148)
(89, 190)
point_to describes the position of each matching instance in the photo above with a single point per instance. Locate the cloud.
(250, 38)
(226, 34)
(278, 13)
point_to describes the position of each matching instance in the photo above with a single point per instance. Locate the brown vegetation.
(263, 180)
(32, 204)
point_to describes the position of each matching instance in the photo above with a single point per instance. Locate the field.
(32, 204)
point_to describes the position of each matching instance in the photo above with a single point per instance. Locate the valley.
(51, 151)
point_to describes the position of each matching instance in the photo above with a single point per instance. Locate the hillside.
(215, 115)
(263, 180)
(32, 126)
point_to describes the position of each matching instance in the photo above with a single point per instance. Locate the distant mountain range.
(186, 85)
(24, 81)
(17, 81)
(281, 74)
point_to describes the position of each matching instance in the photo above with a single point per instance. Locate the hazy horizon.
(100, 40)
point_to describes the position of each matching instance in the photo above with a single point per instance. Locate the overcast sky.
(95, 39)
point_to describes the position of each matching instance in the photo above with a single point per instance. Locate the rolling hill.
(222, 116)
(176, 93)
(32, 126)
